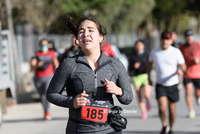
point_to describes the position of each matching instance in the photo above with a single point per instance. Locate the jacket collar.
(104, 59)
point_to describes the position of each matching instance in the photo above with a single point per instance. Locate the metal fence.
(28, 44)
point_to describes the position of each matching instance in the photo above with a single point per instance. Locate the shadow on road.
(138, 117)
(32, 120)
(156, 132)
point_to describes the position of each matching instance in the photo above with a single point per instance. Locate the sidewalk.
(27, 119)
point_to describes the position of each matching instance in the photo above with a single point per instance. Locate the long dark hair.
(74, 27)
(140, 40)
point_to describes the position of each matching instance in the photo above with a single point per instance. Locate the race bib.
(95, 111)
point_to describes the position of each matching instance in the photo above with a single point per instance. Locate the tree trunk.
(3, 10)
(198, 24)
(150, 30)
(17, 68)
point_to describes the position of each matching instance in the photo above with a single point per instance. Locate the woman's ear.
(101, 39)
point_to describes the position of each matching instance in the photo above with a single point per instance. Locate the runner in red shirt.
(191, 53)
(47, 60)
(44, 62)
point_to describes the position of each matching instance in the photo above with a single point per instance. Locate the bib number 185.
(94, 114)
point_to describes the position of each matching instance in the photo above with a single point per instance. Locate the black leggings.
(42, 84)
(116, 132)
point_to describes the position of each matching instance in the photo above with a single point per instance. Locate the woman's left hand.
(112, 88)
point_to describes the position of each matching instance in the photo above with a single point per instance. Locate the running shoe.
(192, 114)
(47, 116)
(148, 106)
(144, 115)
(170, 132)
(198, 101)
(164, 130)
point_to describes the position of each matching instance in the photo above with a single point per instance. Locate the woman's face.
(44, 46)
(88, 36)
(139, 46)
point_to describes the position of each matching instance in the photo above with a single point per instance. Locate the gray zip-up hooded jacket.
(76, 75)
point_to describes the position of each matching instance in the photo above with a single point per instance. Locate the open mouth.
(86, 41)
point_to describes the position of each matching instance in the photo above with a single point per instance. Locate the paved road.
(27, 119)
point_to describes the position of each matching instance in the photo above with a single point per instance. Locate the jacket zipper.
(95, 90)
(95, 86)
(107, 62)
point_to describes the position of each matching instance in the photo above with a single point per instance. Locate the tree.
(125, 16)
(121, 16)
(176, 14)
(166, 11)
(192, 8)
(40, 13)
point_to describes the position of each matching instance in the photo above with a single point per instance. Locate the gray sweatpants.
(42, 84)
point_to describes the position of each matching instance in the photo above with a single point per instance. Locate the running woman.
(191, 53)
(91, 79)
(137, 68)
(44, 62)
(166, 60)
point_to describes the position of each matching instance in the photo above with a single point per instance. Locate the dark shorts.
(196, 82)
(171, 92)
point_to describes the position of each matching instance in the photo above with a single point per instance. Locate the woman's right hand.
(137, 65)
(80, 100)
